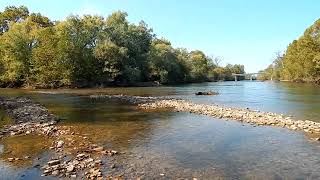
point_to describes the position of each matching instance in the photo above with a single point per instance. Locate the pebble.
(98, 149)
(55, 173)
(59, 144)
(73, 176)
(70, 168)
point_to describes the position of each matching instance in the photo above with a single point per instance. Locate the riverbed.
(174, 145)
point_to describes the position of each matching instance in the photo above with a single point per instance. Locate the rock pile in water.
(22, 109)
(243, 115)
(82, 162)
(32, 118)
(64, 138)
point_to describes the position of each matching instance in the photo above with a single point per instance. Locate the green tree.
(165, 64)
(90, 50)
(199, 66)
(111, 57)
(301, 59)
(135, 38)
(78, 37)
(12, 14)
(16, 49)
(48, 69)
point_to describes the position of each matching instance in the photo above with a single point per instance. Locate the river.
(183, 145)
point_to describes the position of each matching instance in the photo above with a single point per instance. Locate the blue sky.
(245, 32)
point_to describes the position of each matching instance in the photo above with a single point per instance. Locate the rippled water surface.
(186, 145)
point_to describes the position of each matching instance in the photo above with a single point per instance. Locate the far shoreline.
(123, 85)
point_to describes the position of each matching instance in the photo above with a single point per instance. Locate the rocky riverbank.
(242, 115)
(22, 109)
(75, 155)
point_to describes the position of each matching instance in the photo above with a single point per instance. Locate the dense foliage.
(94, 51)
(300, 62)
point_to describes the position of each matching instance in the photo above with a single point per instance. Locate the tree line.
(83, 51)
(301, 60)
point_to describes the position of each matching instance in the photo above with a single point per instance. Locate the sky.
(247, 32)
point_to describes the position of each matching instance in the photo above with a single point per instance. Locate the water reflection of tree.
(303, 98)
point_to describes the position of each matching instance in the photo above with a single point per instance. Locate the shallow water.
(299, 100)
(187, 145)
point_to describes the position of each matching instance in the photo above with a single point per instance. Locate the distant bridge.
(251, 75)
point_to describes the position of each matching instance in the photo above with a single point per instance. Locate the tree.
(199, 66)
(135, 38)
(48, 69)
(12, 14)
(111, 57)
(165, 64)
(78, 37)
(300, 62)
(40, 20)
(89, 50)
(16, 48)
(216, 60)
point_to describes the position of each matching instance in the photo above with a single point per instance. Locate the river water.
(183, 145)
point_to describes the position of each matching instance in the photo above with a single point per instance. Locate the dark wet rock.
(36, 165)
(53, 162)
(208, 93)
